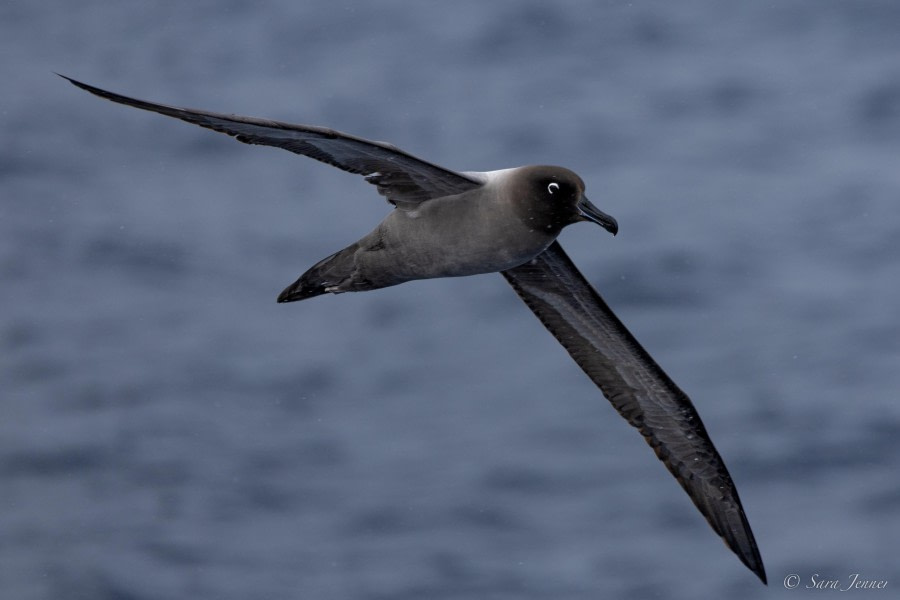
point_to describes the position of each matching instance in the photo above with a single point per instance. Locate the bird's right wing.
(637, 387)
(402, 178)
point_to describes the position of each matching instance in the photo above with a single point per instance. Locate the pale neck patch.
(491, 178)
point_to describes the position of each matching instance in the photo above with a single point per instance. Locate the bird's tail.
(333, 274)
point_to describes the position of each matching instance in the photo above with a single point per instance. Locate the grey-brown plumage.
(449, 224)
(491, 228)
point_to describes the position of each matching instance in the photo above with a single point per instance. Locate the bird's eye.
(552, 187)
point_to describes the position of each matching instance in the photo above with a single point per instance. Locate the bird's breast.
(454, 239)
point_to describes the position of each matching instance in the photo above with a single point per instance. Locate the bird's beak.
(589, 212)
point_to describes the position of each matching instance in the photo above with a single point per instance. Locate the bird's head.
(553, 197)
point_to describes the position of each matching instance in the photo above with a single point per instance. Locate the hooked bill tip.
(589, 212)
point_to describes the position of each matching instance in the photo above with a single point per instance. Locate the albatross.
(449, 223)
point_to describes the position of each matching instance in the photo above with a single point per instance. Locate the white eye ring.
(552, 187)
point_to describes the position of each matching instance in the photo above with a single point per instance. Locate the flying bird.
(447, 224)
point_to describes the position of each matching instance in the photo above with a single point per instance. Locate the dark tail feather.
(331, 274)
(301, 290)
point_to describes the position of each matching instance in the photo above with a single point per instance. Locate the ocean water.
(168, 431)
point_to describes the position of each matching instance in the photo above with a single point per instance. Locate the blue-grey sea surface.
(168, 431)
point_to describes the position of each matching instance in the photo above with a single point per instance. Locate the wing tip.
(76, 83)
(753, 561)
(740, 540)
(104, 93)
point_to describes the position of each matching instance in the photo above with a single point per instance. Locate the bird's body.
(484, 230)
(448, 224)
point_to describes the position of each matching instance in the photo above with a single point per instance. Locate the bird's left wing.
(638, 388)
(403, 179)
